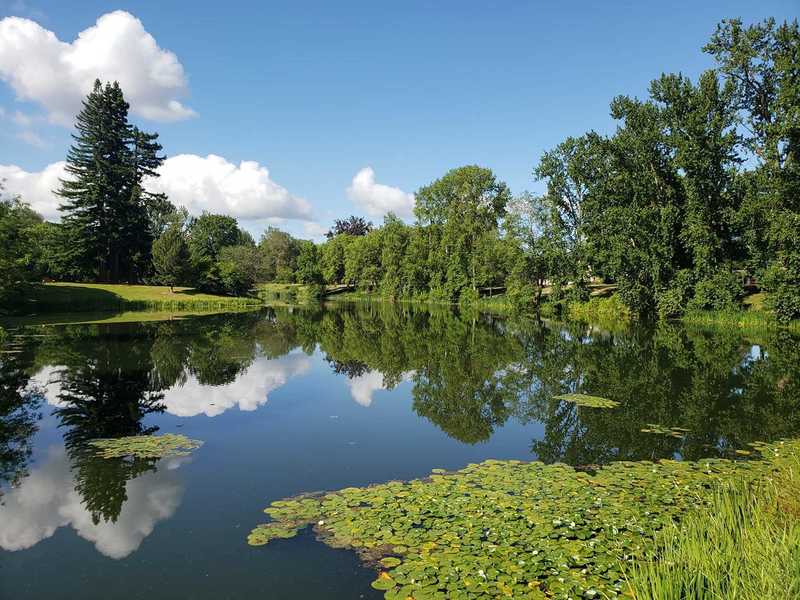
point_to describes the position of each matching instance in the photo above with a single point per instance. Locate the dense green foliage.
(171, 257)
(691, 202)
(107, 232)
(20, 260)
(746, 545)
(511, 529)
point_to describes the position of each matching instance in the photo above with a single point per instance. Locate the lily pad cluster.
(146, 446)
(508, 528)
(588, 401)
(676, 432)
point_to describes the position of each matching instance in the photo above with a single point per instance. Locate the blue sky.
(317, 91)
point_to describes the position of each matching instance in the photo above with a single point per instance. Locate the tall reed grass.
(746, 546)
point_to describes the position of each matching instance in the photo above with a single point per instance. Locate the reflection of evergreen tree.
(19, 412)
(106, 393)
(113, 377)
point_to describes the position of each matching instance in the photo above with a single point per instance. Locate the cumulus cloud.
(248, 391)
(47, 500)
(36, 188)
(199, 183)
(378, 199)
(314, 230)
(364, 386)
(57, 75)
(212, 183)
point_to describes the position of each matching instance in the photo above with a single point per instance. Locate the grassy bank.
(746, 545)
(88, 297)
(288, 293)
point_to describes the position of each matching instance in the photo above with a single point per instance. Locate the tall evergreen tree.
(105, 206)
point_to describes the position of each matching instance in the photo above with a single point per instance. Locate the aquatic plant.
(508, 528)
(588, 401)
(676, 432)
(747, 545)
(146, 446)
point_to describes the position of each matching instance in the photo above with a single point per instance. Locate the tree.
(353, 225)
(20, 256)
(171, 258)
(544, 252)
(362, 260)
(238, 269)
(208, 234)
(463, 205)
(762, 65)
(105, 213)
(333, 258)
(308, 264)
(279, 252)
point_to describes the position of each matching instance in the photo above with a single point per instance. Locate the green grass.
(746, 546)
(601, 310)
(87, 297)
(754, 317)
(288, 293)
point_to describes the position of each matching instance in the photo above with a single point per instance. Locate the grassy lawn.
(83, 297)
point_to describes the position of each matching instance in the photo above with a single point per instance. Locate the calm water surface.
(305, 400)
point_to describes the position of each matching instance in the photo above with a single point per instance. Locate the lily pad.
(145, 446)
(588, 401)
(676, 432)
(513, 529)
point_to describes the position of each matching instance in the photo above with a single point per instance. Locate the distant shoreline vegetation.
(690, 205)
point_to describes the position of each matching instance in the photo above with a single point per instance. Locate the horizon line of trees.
(698, 186)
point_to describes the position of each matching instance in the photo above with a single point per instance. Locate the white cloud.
(314, 230)
(248, 391)
(378, 199)
(364, 386)
(32, 138)
(199, 183)
(47, 500)
(212, 183)
(35, 188)
(58, 75)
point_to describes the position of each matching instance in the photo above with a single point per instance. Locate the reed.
(745, 546)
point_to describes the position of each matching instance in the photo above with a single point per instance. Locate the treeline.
(695, 193)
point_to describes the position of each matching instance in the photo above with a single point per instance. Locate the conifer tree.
(105, 206)
(171, 257)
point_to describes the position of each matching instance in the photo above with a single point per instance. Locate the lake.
(291, 400)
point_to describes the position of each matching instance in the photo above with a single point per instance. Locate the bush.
(522, 296)
(606, 311)
(721, 291)
(672, 302)
(784, 293)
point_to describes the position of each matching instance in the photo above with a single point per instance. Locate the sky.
(296, 113)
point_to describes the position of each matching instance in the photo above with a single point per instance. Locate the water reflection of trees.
(472, 373)
(20, 411)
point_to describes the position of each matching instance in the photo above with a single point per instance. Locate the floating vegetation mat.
(511, 529)
(588, 401)
(676, 432)
(146, 446)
